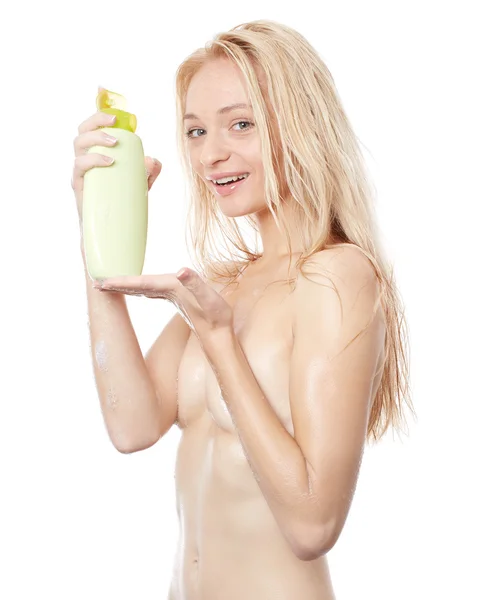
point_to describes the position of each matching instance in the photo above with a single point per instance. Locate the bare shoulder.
(345, 265)
(341, 275)
(344, 259)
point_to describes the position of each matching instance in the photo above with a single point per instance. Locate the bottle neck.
(124, 119)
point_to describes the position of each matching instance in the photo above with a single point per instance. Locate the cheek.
(253, 157)
(197, 166)
(193, 157)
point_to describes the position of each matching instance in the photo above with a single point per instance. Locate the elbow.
(313, 542)
(125, 446)
(125, 449)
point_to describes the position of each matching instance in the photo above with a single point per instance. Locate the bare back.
(230, 545)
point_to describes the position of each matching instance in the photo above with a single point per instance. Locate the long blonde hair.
(305, 135)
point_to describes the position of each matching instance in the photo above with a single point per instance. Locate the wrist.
(219, 342)
(83, 252)
(84, 264)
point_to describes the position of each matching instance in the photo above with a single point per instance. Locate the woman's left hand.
(205, 311)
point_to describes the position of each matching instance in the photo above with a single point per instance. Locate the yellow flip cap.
(115, 104)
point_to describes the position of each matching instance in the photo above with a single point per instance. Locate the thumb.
(153, 169)
(194, 283)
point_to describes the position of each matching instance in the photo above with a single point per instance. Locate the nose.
(213, 149)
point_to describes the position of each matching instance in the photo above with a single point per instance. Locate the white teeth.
(228, 179)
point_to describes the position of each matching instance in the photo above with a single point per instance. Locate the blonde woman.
(281, 364)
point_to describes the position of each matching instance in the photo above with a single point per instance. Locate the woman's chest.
(263, 327)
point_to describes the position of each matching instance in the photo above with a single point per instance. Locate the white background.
(79, 520)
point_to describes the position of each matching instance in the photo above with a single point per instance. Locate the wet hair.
(311, 155)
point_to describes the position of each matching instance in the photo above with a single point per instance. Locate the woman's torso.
(230, 544)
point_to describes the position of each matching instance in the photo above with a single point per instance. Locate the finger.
(153, 169)
(140, 283)
(92, 138)
(117, 290)
(99, 119)
(203, 292)
(82, 164)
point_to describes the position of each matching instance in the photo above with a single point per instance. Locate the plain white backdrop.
(79, 520)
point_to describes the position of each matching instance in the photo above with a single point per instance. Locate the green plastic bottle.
(115, 199)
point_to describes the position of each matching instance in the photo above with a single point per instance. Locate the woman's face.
(223, 140)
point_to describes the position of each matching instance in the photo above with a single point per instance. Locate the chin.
(232, 211)
(231, 208)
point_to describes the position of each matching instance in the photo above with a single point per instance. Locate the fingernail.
(109, 159)
(110, 138)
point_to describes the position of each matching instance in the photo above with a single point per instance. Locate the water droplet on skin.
(111, 398)
(101, 356)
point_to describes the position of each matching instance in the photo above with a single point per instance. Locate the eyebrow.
(221, 111)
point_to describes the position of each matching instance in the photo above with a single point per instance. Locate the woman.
(297, 357)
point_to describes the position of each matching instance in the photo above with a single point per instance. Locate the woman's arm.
(308, 480)
(136, 397)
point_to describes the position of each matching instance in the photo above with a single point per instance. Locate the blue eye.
(248, 123)
(190, 133)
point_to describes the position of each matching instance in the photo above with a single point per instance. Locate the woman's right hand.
(90, 134)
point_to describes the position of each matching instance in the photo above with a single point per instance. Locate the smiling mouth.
(230, 181)
(230, 187)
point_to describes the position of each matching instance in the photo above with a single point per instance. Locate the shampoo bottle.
(115, 199)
